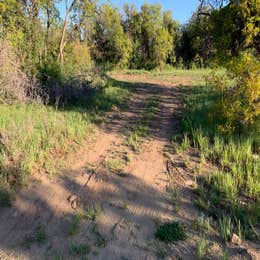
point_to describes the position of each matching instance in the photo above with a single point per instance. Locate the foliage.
(195, 45)
(235, 27)
(238, 105)
(113, 46)
(152, 33)
(171, 232)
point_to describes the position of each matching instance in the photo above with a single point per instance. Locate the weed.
(175, 199)
(202, 224)
(38, 237)
(116, 165)
(161, 250)
(202, 204)
(197, 169)
(79, 249)
(186, 162)
(94, 212)
(123, 205)
(76, 220)
(171, 232)
(202, 248)
(135, 137)
(6, 197)
(100, 241)
(225, 227)
(185, 145)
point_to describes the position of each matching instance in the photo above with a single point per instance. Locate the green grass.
(77, 218)
(93, 213)
(39, 237)
(233, 188)
(116, 165)
(37, 137)
(202, 248)
(79, 249)
(175, 199)
(161, 250)
(171, 232)
(225, 227)
(202, 224)
(171, 71)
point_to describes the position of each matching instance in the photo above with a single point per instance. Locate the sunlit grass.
(34, 135)
(233, 188)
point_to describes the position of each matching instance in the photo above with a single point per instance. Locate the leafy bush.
(238, 105)
(171, 232)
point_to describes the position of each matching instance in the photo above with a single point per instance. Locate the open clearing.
(108, 204)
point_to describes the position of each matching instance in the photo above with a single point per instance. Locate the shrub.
(238, 106)
(13, 82)
(171, 232)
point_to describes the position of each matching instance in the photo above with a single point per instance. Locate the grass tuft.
(79, 249)
(202, 248)
(171, 232)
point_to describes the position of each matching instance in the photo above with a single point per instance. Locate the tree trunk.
(46, 41)
(65, 24)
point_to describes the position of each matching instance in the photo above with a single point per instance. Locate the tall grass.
(34, 135)
(233, 188)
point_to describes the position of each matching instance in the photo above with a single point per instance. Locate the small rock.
(236, 240)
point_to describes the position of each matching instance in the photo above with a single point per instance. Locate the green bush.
(171, 232)
(237, 107)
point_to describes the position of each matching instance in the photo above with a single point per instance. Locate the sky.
(181, 9)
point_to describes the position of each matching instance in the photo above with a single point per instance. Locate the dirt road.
(108, 204)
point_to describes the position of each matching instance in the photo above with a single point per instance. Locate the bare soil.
(132, 202)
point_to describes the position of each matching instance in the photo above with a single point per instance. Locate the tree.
(65, 24)
(236, 27)
(152, 33)
(196, 43)
(112, 45)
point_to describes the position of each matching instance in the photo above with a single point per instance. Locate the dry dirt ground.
(46, 219)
